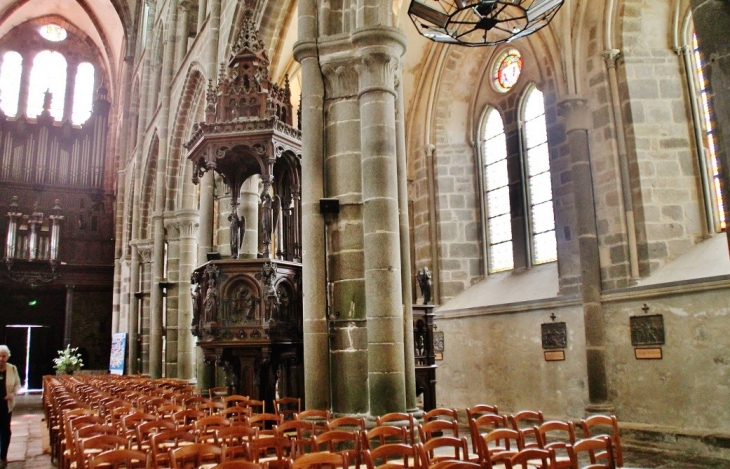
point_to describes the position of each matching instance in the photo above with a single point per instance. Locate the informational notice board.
(118, 353)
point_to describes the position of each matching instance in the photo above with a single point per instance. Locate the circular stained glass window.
(507, 69)
(53, 32)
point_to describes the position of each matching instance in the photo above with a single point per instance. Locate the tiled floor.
(29, 438)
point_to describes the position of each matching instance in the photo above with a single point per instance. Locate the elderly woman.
(9, 387)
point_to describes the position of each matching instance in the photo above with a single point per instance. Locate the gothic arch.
(149, 186)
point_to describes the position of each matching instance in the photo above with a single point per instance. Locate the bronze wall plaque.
(653, 353)
(554, 355)
(554, 335)
(647, 330)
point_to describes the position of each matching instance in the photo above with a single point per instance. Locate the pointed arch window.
(496, 193)
(48, 74)
(536, 160)
(708, 149)
(83, 93)
(10, 74)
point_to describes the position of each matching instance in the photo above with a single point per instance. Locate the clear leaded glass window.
(539, 186)
(498, 212)
(10, 73)
(48, 74)
(710, 144)
(83, 93)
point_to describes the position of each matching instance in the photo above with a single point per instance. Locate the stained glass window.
(12, 68)
(539, 185)
(83, 93)
(507, 69)
(52, 32)
(709, 143)
(498, 212)
(48, 74)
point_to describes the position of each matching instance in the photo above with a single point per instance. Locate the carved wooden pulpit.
(248, 311)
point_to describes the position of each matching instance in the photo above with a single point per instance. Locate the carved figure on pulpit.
(238, 231)
(271, 296)
(423, 277)
(210, 305)
(266, 218)
(195, 296)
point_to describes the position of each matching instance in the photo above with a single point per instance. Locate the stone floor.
(30, 438)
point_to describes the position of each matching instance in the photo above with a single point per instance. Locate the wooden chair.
(481, 425)
(343, 442)
(204, 428)
(442, 448)
(527, 420)
(93, 445)
(264, 422)
(318, 417)
(120, 458)
(236, 414)
(401, 419)
(604, 425)
(212, 407)
(234, 399)
(195, 402)
(295, 429)
(257, 406)
(435, 428)
(386, 434)
(453, 464)
(235, 441)
(287, 407)
(218, 393)
(558, 436)
(238, 465)
(391, 456)
(499, 440)
(599, 450)
(193, 456)
(533, 458)
(184, 420)
(319, 460)
(166, 411)
(271, 448)
(162, 442)
(146, 429)
(479, 410)
(441, 413)
(347, 424)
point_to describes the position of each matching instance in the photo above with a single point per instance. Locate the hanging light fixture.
(480, 22)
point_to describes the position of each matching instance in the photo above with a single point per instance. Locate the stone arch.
(149, 187)
(189, 110)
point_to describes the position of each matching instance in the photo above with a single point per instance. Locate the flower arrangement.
(68, 360)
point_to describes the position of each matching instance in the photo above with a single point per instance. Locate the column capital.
(611, 56)
(574, 111)
(341, 80)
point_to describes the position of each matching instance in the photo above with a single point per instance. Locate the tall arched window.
(10, 74)
(536, 160)
(48, 74)
(496, 193)
(83, 93)
(709, 145)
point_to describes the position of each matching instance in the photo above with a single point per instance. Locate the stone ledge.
(671, 439)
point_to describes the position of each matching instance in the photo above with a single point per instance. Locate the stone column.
(170, 310)
(158, 230)
(380, 50)
(186, 355)
(712, 25)
(405, 246)
(143, 340)
(345, 244)
(69, 314)
(134, 311)
(577, 119)
(182, 38)
(314, 286)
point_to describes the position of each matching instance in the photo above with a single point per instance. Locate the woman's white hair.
(4, 348)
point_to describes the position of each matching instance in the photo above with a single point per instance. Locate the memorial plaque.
(554, 335)
(653, 353)
(554, 355)
(647, 330)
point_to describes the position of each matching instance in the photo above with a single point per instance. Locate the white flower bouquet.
(68, 360)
